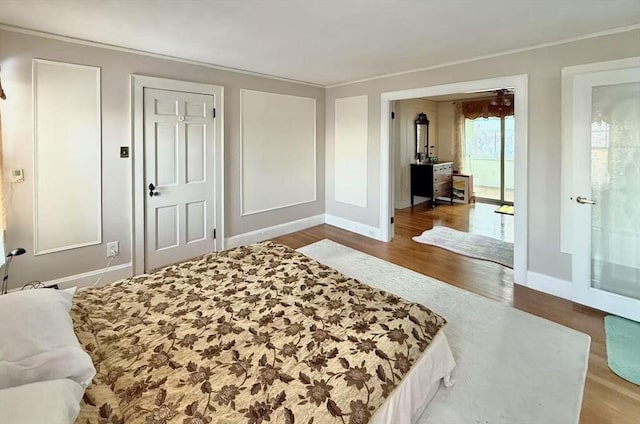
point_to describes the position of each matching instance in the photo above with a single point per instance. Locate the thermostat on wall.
(17, 175)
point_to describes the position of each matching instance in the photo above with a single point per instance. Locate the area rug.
(623, 347)
(505, 209)
(513, 367)
(469, 244)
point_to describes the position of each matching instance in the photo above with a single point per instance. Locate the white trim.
(82, 42)
(315, 156)
(63, 248)
(577, 85)
(138, 83)
(520, 85)
(354, 227)
(494, 55)
(353, 197)
(73, 40)
(551, 285)
(98, 189)
(605, 301)
(610, 302)
(87, 279)
(275, 208)
(274, 231)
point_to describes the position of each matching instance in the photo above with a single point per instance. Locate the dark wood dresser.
(432, 181)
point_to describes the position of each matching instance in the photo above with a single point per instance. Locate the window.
(490, 158)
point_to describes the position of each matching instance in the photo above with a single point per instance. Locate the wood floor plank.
(608, 399)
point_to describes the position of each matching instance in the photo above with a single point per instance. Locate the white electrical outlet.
(113, 249)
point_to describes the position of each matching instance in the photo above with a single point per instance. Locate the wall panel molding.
(350, 150)
(67, 156)
(273, 231)
(277, 151)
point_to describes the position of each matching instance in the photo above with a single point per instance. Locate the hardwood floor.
(608, 399)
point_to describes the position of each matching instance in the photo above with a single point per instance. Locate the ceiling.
(323, 42)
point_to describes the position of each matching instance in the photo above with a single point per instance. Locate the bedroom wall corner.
(17, 50)
(543, 67)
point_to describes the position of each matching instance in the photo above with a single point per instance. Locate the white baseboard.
(354, 227)
(87, 279)
(271, 232)
(301, 224)
(608, 302)
(551, 285)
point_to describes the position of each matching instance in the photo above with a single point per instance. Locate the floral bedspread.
(254, 334)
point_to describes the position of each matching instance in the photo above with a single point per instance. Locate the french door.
(605, 195)
(489, 156)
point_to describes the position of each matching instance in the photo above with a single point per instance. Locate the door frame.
(520, 85)
(580, 289)
(138, 193)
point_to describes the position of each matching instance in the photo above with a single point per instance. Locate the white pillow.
(51, 402)
(38, 341)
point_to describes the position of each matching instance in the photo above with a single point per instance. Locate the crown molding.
(83, 42)
(80, 41)
(494, 55)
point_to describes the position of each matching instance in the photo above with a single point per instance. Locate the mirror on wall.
(422, 138)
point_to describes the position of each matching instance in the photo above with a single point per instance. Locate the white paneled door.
(179, 176)
(605, 195)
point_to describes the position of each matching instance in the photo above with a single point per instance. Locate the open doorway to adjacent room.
(468, 142)
(457, 149)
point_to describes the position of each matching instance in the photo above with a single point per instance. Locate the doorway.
(519, 84)
(178, 170)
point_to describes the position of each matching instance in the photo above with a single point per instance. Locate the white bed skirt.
(410, 399)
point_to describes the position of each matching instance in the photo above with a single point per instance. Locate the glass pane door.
(490, 157)
(615, 189)
(482, 148)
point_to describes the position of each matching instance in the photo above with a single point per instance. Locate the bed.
(257, 334)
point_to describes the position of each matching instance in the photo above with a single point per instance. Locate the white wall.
(543, 67)
(16, 53)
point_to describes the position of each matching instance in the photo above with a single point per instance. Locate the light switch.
(17, 175)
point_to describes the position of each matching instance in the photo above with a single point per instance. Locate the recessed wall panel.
(167, 227)
(278, 151)
(166, 140)
(350, 152)
(196, 109)
(195, 145)
(67, 144)
(166, 107)
(196, 221)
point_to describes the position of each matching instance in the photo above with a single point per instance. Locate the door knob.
(584, 201)
(151, 190)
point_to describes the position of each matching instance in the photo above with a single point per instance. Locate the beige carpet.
(469, 244)
(513, 367)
